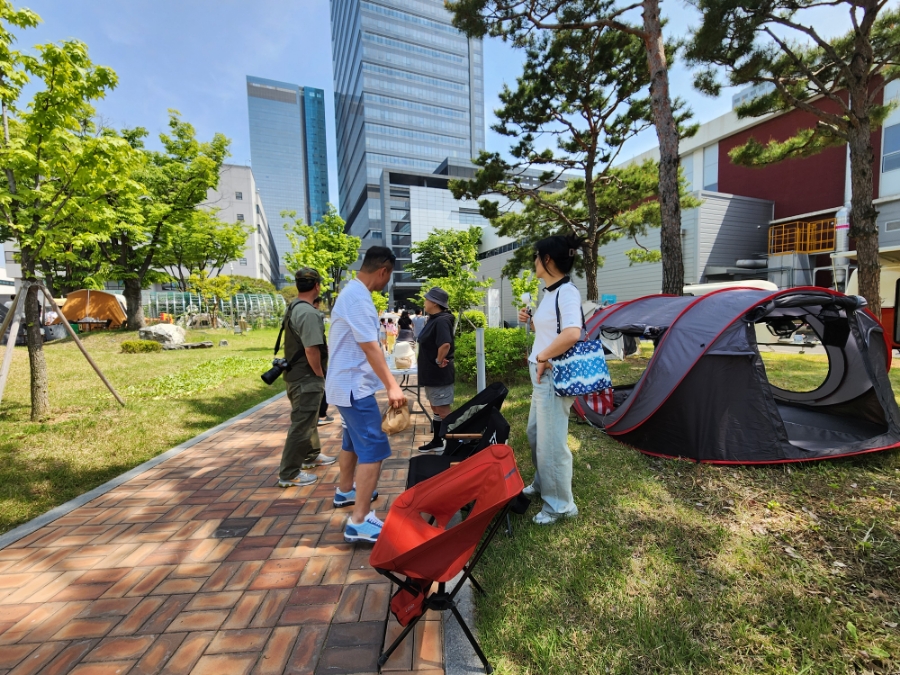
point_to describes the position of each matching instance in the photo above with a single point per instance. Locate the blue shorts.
(362, 431)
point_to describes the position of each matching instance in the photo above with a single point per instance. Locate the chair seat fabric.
(410, 545)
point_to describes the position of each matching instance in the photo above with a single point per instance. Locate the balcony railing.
(816, 236)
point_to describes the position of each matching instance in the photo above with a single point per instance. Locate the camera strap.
(286, 321)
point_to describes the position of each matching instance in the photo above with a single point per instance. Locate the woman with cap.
(557, 324)
(435, 363)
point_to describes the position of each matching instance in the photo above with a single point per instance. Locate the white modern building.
(238, 200)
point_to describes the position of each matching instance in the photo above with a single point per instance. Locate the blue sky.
(193, 55)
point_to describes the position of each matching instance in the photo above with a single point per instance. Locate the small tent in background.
(93, 305)
(705, 394)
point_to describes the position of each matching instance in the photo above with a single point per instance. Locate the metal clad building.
(409, 93)
(288, 152)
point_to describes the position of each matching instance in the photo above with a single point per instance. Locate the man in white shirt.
(357, 371)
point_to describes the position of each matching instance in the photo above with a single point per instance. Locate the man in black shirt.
(435, 364)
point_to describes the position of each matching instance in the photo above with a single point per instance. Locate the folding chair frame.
(442, 600)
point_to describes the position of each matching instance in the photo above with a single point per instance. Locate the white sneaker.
(530, 491)
(321, 460)
(544, 518)
(299, 480)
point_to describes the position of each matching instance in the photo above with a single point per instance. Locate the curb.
(34, 524)
(459, 657)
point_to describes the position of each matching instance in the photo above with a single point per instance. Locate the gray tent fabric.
(705, 394)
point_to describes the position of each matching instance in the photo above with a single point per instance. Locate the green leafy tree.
(838, 81)
(72, 268)
(520, 20)
(323, 246)
(444, 252)
(214, 289)
(524, 282)
(252, 285)
(464, 291)
(450, 260)
(57, 166)
(380, 299)
(175, 181)
(203, 242)
(587, 91)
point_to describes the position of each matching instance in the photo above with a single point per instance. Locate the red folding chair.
(416, 543)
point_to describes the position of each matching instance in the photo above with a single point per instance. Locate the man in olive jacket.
(304, 349)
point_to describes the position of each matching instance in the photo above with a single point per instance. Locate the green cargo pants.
(302, 443)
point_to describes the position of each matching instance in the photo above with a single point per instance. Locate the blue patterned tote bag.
(582, 370)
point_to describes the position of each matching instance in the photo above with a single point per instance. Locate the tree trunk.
(863, 215)
(134, 308)
(40, 390)
(667, 133)
(589, 250)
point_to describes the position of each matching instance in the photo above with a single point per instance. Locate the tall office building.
(288, 153)
(409, 94)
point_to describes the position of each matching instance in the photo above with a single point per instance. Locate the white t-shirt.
(353, 320)
(545, 316)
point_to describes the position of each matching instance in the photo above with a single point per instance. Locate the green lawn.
(171, 397)
(674, 567)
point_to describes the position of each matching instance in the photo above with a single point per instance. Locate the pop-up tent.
(94, 305)
(705, 395)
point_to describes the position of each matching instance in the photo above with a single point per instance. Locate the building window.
(243, 261)
(711, 167)
(9, 256)
(114, 286)
(239, 196)
(891, 148)
(687, 164)
(240, 217)
(257, 209)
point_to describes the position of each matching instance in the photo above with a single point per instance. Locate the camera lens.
(272, 374)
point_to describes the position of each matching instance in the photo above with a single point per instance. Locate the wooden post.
(12, 320)
(81, 345)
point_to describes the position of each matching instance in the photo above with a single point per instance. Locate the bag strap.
(559, 318)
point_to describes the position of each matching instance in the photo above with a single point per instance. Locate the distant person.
(391, 330)
(324, 417)
(548, 420)
(418, 322)
(305, 351)
(382, 333)
(405, 332)
(358, 370)
(435, 364)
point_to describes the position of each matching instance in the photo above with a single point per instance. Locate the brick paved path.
(145, 580)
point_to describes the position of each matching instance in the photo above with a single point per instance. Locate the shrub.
(505, 355)
(471, 320)
(251, 285)
(140, 346)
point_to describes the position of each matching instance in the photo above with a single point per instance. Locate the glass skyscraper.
(409, 93)
(288, 153)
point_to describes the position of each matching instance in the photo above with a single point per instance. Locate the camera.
(279, 366)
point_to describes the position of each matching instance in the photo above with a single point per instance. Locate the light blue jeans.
(548, 432)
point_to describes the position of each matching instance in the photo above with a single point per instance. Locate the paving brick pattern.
(202, 565)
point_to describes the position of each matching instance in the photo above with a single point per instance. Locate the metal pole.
(81, 346)
(16, 312)
(479, 359)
